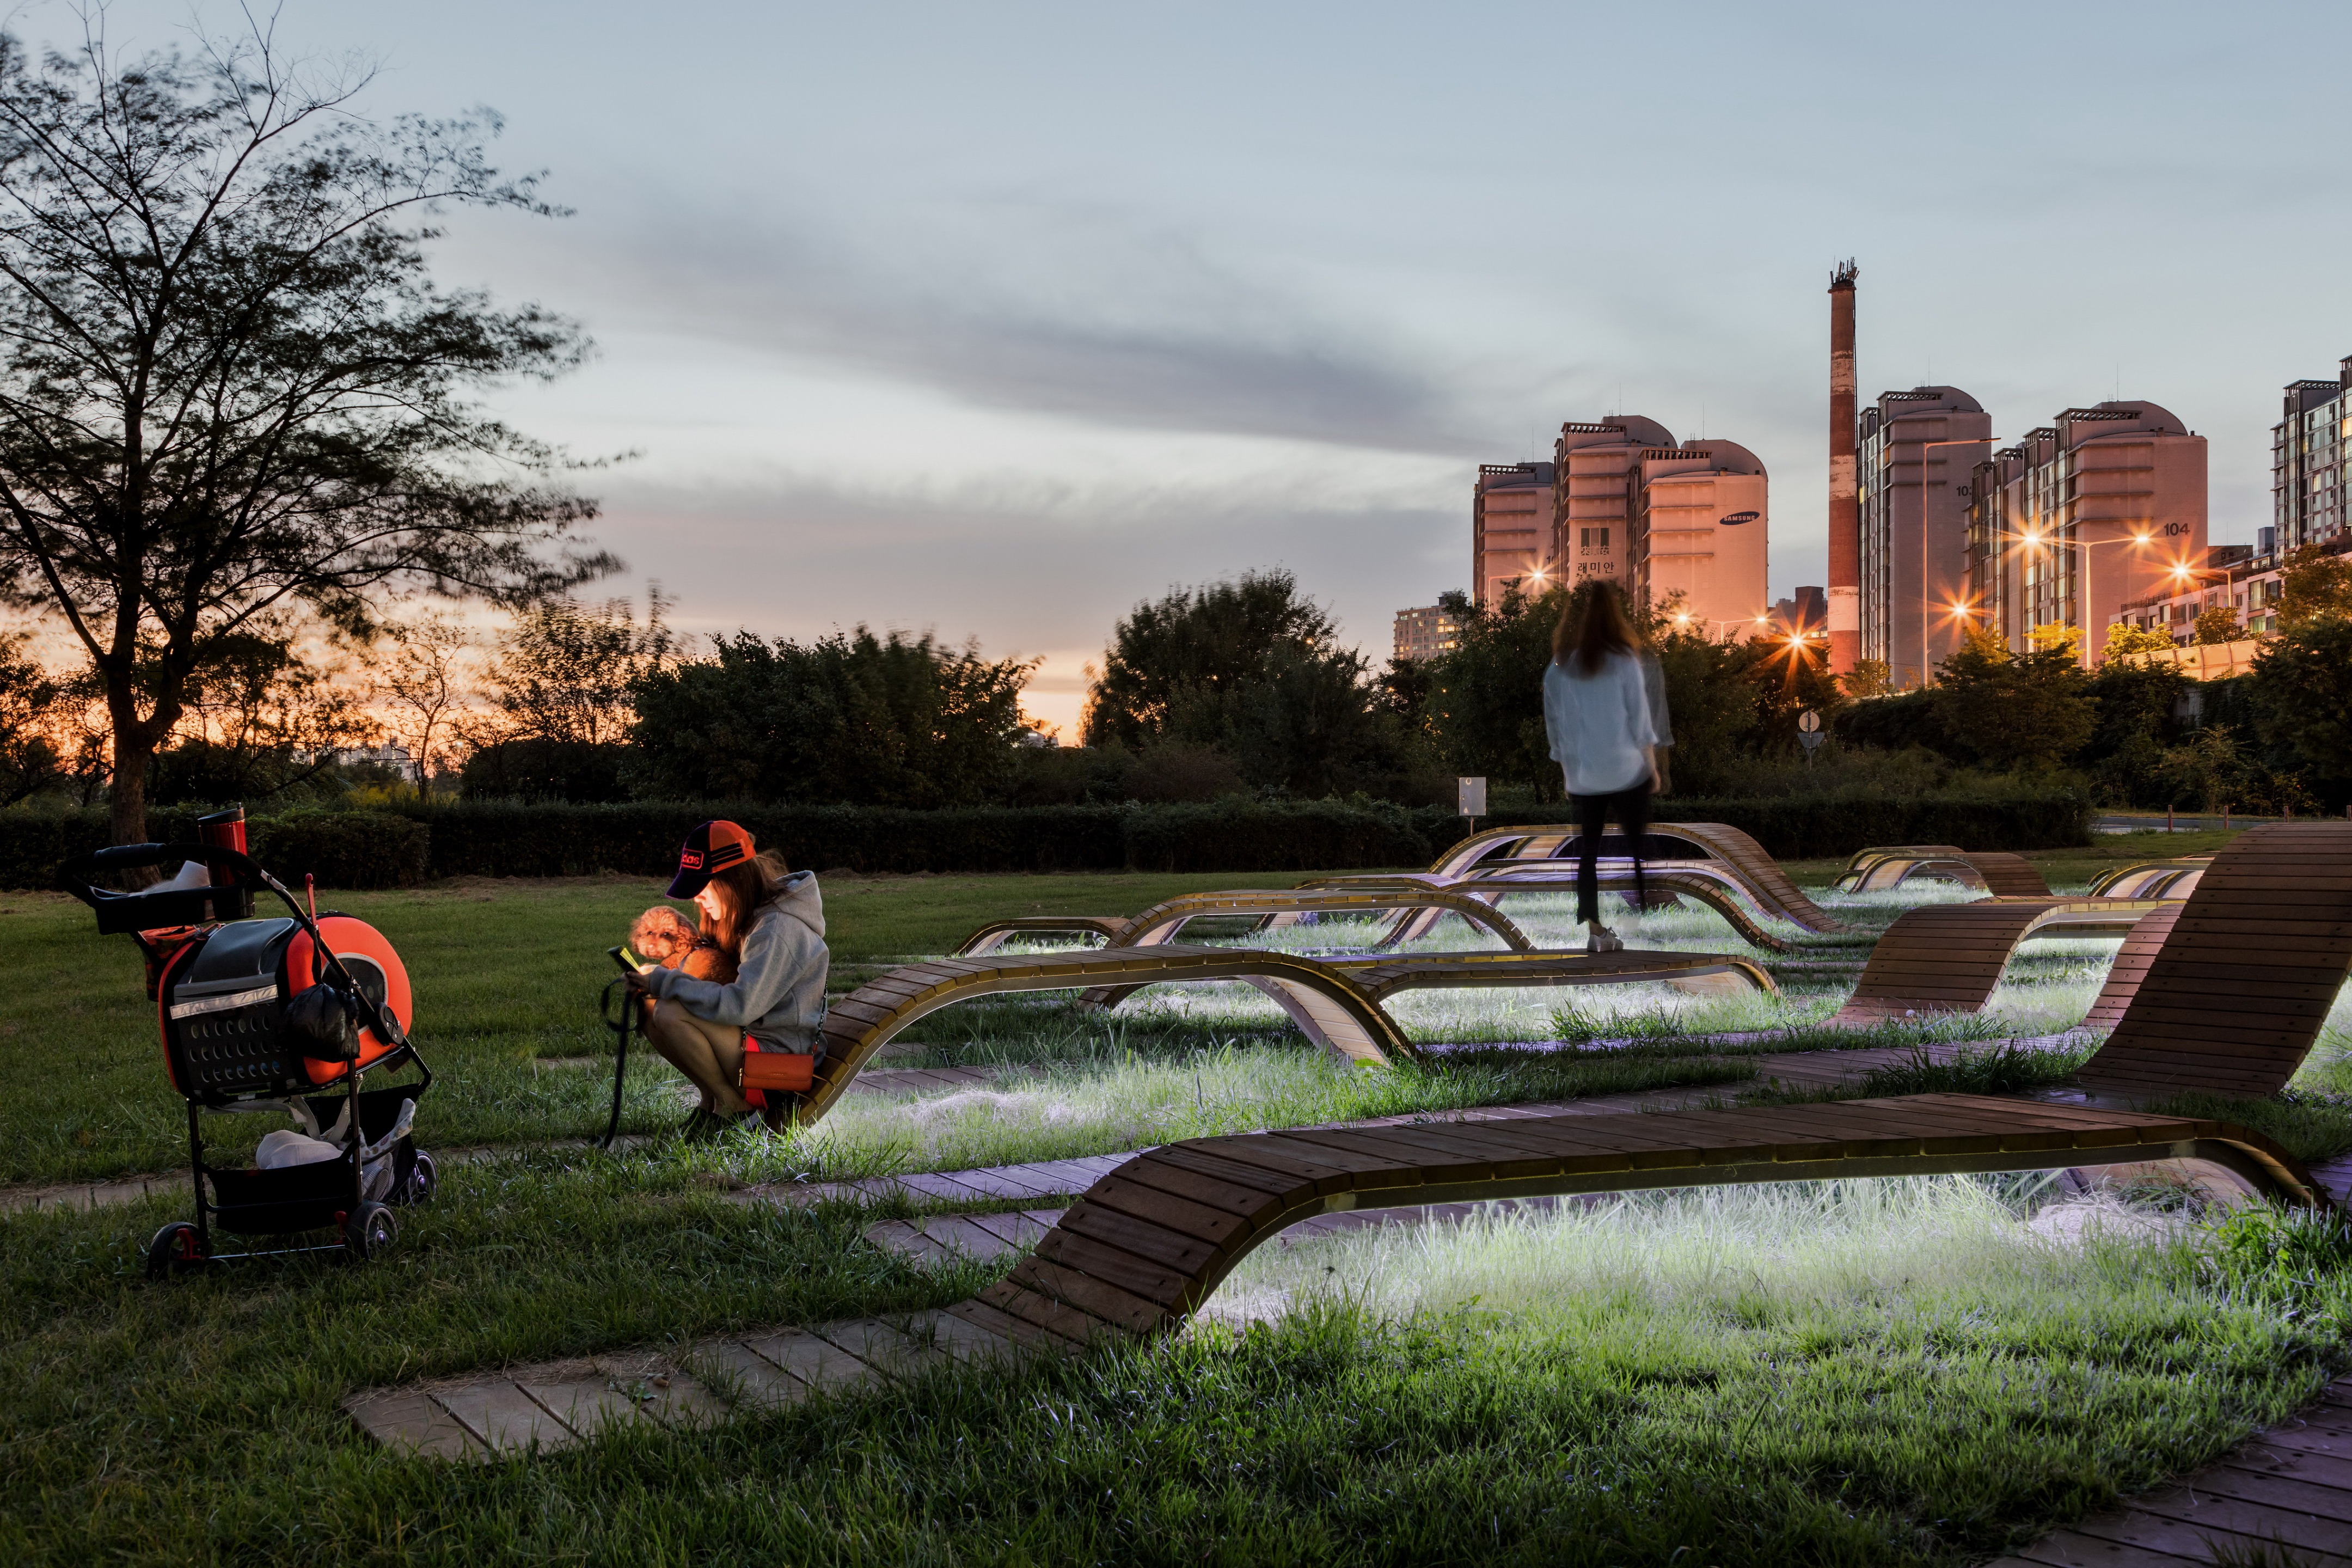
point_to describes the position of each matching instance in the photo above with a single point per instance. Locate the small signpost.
(1470, 799)
(1809, 733)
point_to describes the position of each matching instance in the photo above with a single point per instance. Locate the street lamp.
(2140, 539)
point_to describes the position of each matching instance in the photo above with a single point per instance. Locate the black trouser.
(1630, 807)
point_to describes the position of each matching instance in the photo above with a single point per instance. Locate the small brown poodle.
(667, 939)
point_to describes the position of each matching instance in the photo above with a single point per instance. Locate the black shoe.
(698, 1126)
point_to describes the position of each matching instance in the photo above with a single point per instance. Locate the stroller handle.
(76, 875)
(124, 857)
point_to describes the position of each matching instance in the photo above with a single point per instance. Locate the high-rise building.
(2311, 461)
(2103, 507)
(1916, 452)
(1587, 507)
(1424, 634)
(1698, 518)
(1510, 529)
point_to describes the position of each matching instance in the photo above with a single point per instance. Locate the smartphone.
(620, 957)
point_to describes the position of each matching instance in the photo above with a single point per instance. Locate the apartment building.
(2311, 461)
(1697, 522)
(1589, 517)
(1915, 452)
(1425, 634)
(1511, 536)
(2103, 507)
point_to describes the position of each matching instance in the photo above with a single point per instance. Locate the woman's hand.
(1662, 772)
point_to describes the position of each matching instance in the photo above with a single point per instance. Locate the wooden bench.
(1164, 921)
(1550, 853)
(1997, 871)
(1417, 902)
(1949, 958)
(1380, 978)
(1334, 1002)
(2152, 879)
(1702, 882)
(2230, 1003)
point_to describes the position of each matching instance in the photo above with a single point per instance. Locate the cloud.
(1057, 307)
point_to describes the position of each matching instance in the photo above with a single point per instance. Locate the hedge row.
(341, 848)
(391, 849)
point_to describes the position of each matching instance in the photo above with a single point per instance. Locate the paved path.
(84, 1195)
(2283, 1497)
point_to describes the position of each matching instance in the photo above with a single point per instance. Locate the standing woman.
(1605, 714)
(771, 920)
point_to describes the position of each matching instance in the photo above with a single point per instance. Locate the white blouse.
(1599, 725)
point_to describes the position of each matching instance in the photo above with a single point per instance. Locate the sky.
(993, 321)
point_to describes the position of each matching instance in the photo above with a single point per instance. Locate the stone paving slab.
(414, 1423)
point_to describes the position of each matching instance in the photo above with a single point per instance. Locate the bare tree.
(227, 383)
(424, 683)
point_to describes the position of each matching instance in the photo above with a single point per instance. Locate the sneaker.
(1603, 940)
(698, 1126)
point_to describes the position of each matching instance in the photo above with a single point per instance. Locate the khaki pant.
(709, 1053)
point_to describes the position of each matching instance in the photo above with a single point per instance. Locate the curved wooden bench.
(1864, 861)
(1164, 921)
(1997, 871)
(989, 938)
(2130, 965)
(1146, 1246)
(2152, 879)
(1331, 1008)
(1549, 851)
(1335, 1002)
(2230, 1003)
(1380, 978)
(1949, 958)
(1701, 881)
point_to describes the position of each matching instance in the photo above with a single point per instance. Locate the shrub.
(343, 848)
(409, 840)
(538, 769)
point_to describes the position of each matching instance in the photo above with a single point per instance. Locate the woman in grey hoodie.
(771, 921)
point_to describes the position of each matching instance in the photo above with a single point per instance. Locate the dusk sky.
(993, 319)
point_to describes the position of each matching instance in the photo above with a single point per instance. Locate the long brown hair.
(1594, 624)
(742, 888)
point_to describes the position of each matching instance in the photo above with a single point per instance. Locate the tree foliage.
(2314, 582)
(228, 384)
(848, 719)
(565, 670)
(2303, 693)
(2217, 623)
(2125, 639)
(1250, 669)
(262, 719)
(2029, 709)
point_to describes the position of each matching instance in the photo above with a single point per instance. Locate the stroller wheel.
(370, 1231)
(423, 1178)
(174, 1248)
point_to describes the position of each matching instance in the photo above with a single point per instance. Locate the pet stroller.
(271, 1014)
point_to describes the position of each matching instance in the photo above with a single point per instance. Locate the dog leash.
(621, 1027)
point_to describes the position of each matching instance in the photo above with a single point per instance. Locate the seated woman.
(771, 922)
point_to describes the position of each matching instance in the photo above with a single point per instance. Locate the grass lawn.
(1863, 1373)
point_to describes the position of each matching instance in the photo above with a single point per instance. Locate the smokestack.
(1845, 507)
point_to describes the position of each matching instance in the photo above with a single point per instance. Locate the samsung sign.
(1736, 518)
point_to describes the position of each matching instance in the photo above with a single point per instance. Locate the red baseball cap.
(708, 850)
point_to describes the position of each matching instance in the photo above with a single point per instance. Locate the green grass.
(1864, 1372)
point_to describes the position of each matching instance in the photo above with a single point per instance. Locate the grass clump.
(1114, 1105)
